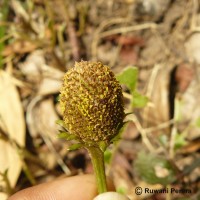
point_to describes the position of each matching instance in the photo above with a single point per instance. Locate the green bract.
(92, 102)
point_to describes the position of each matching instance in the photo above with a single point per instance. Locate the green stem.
(97, 158)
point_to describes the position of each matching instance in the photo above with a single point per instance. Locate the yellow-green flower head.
(92, 102)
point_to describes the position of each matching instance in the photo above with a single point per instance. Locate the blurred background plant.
(154, 50)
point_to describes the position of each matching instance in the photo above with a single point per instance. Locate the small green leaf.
(60, 122)
(179, 141)
(163, 140)
(66, 136)
(103, 145)
(63, 135)
(75, 146)
(119, 134)
(57, 98)
(126, 114)
(107, 156)
(121, 190)
(146, 164)
(129, 78)
(138, 100)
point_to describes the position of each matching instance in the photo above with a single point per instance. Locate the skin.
(78, 187)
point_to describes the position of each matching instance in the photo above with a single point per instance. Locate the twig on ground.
(143, 133)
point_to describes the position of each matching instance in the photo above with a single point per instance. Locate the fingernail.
(111, 196)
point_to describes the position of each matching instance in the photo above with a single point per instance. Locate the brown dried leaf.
(47, 79)
(128, 56)
(184, 75)
(192, 147)
(19, 47)
(31, 68)
(49, 86)
(42, 118)
(193, 47)
(158, 111)
(46, 119)
(190, 108)
(3, 196)
(12, 119)
(127, 40)
(51, 82)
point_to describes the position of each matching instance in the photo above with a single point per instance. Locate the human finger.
(78, 187)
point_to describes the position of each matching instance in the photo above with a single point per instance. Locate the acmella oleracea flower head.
(92, 102)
